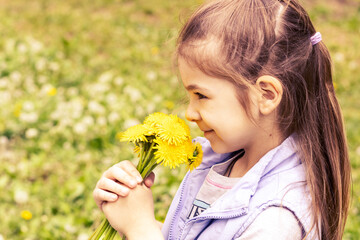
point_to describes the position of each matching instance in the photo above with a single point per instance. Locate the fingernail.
(133, 183)
(139, 179)
(113, 198)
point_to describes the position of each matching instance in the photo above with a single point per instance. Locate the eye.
(200, 96)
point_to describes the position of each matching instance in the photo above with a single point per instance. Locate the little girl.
(275, 162)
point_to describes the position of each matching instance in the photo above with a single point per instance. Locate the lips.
(208, 132)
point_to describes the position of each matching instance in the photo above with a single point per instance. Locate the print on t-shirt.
(197, 208)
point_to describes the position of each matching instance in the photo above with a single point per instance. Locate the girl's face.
(215, 108)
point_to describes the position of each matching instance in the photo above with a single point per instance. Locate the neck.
(255, 152)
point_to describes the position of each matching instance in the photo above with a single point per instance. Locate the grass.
(74, 73)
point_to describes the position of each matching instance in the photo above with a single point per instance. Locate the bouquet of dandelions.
(161, 140)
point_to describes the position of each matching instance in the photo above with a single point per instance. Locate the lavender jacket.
(278, 179)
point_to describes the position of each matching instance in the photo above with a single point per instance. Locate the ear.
(271, 91)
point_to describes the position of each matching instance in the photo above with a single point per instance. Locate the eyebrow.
(194, 87)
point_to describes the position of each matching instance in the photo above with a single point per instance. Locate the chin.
(219, 148)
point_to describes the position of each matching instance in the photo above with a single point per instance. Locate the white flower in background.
(15, 76)
(106, 77)
(31, 117)
(76, 108)
(67, 145)
(133, 93)
(113, 117)
(80, 128)
(150, 108)
(157, 98)
(35, 45)
(95, 107)
(72, 91)
(353, 65)
(339, 57)
(174, 81)
(68, 110)
(1, 237)
(119, 81)
(40, 64)
(44, 218)
(42, 79)
(28, 106)
(130, 122)
(31, 133)
(83, 236)
(54, 66)
(5, 97)
(22, 48)
(358, 150)
(151, 76)
(101, 121)
(98, 89)
(46, 145)
(139, 111)
(21, 196)
(3, 141)
(88, 120)
(70, 228)
(111, 98)
(30, 85)
(4, 82)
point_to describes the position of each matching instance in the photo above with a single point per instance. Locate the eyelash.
(200, 96)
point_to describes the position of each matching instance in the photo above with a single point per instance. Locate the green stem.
(149, 153)
(149, 167)
(99, 230)
(142, 150)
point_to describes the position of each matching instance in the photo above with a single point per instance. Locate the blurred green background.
(73, 73)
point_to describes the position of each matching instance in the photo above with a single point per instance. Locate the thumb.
(149, 181)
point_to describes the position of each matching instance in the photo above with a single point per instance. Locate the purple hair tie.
(316, 38)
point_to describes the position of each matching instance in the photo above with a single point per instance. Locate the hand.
(117, 181)
(134, 215)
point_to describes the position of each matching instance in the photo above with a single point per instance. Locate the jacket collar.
(237, 199)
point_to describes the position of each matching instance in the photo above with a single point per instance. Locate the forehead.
(194, 79)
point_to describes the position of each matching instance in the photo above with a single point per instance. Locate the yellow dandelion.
(335, 86)
(170, 155)
(135, 134)
(27, 215)
(17, 109)
(155, 119)
(52, 91)
(169, 104)
(185, 126)
(195, 160)
(173, 131)
(154, 50)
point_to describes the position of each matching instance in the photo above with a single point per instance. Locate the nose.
(192, 114)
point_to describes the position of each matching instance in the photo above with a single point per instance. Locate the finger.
(113, 187)
(131, 170)
(149, 181)
(120, 175)
(101, 196)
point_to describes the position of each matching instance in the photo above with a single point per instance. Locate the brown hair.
(241, 40)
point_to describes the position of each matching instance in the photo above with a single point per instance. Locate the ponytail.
(323, 146)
